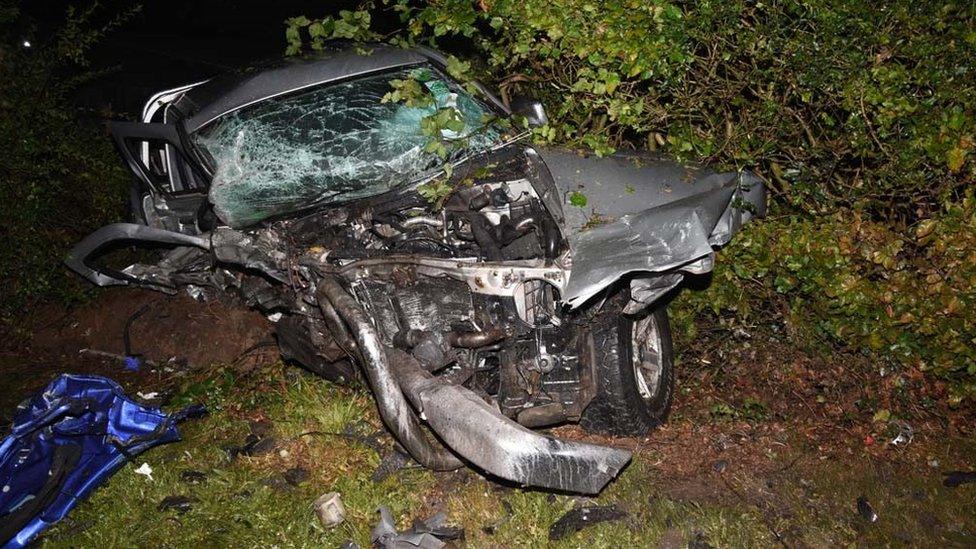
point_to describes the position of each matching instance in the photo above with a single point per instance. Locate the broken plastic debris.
(577, 519)
(148, 396)
(955, 478)
(425, 534)
(181, 504)
(65, 442)
(330, 510)
(390, 463)
(295, 476)
(865, 510)
(905, 433)
(145, 470)
(193, 477)
(132, 363)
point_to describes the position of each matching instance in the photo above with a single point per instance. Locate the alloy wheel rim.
(645, 345)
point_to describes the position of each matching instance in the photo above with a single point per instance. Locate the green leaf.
(458, 69)
(955, 159)
(577, 199)
(316, 30)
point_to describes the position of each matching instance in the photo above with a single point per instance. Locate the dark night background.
(167, 44)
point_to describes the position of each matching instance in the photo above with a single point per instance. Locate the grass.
(236, 507)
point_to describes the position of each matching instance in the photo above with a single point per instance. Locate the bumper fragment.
(498, 445)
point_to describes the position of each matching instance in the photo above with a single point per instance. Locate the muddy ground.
(174, 334)
(792, 436)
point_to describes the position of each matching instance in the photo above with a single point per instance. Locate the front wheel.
(634, 373)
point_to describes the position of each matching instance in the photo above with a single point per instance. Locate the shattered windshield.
(339, 142)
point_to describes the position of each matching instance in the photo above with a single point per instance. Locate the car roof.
(232, 91)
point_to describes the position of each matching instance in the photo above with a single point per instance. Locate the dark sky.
(172, 42)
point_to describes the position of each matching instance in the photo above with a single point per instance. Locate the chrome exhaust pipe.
(393, 407)
(482, 435)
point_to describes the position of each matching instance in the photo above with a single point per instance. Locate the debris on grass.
(390, 463)
(193, 477)
(330, 510)
(261, 447)
(295, 476)
(181, 504)
(955, 478)
(905, 433)
(425, 534)
(260, 428)
(254, 446)
(331, 427)
(145, 470)
(577, 519)
(865, 510)
(277, 483)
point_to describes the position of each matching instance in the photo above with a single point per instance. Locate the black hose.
(126, 340)
(392, 405)
(339, 331)
(484, 235)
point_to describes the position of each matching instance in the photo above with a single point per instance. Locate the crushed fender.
(65, 442)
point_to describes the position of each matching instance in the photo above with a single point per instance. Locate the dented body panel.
(469, 313)
(645, 215)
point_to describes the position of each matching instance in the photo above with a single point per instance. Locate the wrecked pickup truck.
(478, 285)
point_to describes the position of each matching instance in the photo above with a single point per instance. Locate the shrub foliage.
(859, 117)
(59, 178)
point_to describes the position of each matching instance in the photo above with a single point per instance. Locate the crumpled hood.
(639, 213)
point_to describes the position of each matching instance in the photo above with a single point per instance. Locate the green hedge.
(906, 297)
(59, 178)
(859, 116)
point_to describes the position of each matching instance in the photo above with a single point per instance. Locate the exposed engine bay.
(423, 278)
(426, 279)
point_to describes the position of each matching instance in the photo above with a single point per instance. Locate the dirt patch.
(799, 437)
(172, 326)
(175, 333)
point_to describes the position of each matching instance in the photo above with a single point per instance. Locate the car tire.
(632, 396)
